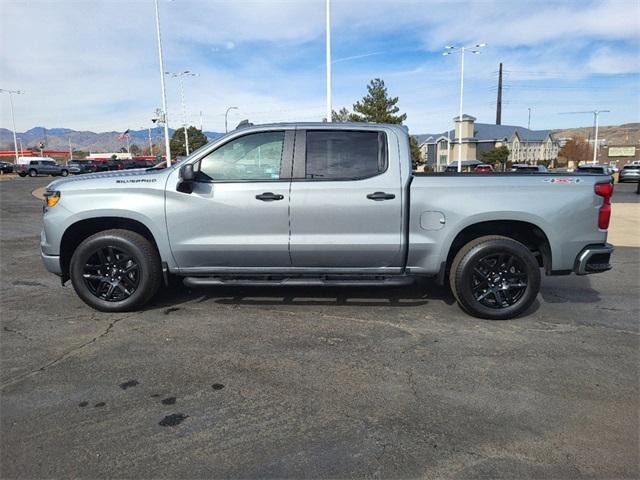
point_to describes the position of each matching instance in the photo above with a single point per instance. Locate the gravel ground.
(312, 382)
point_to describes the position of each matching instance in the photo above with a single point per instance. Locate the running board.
(333, 281)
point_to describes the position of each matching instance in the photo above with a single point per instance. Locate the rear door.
(346, 200)
(237, 216)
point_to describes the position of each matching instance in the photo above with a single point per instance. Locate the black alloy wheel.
(111, 274)
(495, 277)
(116, 270)
(499, 280)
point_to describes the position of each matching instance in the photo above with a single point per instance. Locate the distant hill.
(58, 139)
(625, 134)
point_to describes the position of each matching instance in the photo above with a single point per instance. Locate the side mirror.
(187, 176)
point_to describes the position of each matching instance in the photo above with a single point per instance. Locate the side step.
(328, 281)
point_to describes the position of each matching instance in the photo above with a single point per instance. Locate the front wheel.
(495, 277)
(115, 271)
(64, 173)
(33, 173)
(22, 174)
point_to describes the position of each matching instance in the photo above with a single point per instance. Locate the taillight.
(604, 190)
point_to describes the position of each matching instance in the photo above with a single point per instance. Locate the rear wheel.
(495, 277)
(64, 173)
(22, 174)
(32, 173)
(115, 271)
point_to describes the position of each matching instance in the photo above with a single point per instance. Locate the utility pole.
(328, 58)
(499, 103)
(70, 152)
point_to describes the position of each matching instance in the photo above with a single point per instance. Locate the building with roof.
(525, 146)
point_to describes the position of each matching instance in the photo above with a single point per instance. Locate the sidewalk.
(624, 230)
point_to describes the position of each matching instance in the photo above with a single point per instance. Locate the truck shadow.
(570, 289)
(415, 295)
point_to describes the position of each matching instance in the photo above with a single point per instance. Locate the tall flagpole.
(328, 58)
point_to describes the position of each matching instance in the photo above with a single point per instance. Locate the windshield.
(632, 167)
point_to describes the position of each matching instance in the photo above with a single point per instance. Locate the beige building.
(525, 146)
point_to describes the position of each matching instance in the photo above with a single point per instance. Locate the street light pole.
(453, 49)
(162, 87)
(596, 115)
(226, 114)
(179, 76)
(21, 148)
(328, 59)
(13, 120)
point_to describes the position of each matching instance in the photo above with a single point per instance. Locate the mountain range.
(58, 139)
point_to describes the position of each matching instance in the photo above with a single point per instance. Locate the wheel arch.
(527, 233)
(77, 232)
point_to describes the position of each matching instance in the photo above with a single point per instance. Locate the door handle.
(269, 197)
(379, 196)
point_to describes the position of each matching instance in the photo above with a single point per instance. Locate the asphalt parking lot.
(311, 382)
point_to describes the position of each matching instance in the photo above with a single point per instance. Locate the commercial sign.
(622, 152)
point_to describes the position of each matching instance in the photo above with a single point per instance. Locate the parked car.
(6, 167)
(43, 167)
(629, 173)
(114, 164)
(595, 168)
(483, 168)
(525, 168)
(82, 166)
(132, 164)
(322, 204)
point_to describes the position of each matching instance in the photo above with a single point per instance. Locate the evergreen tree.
(196, 140)
(377, 106)
(342, 116)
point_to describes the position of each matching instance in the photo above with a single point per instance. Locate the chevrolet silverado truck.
(322, 204)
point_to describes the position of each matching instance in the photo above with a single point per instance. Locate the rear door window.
(345, 155)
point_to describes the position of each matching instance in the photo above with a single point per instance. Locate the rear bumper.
(51, 263)
(594, 259)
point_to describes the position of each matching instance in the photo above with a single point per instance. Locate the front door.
(238, 213)
(346, 201)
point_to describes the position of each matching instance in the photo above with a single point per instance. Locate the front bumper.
(594, 259)
(51, 263)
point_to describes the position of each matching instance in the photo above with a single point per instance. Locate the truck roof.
(339, 125)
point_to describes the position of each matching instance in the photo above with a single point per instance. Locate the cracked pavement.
(312, 382)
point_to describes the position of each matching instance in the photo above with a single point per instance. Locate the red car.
(483, 169)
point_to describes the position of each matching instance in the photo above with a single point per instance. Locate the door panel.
(333, 223)
(238, 212)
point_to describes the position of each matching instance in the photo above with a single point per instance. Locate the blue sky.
(93, 65)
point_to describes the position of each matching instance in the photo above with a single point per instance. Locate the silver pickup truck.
(322, 204)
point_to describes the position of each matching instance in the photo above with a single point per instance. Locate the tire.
(507, 269)
(33, 173)
(64, 173)
(22, 174)
(120, 286)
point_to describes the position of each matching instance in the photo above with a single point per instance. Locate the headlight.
(51, 198)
